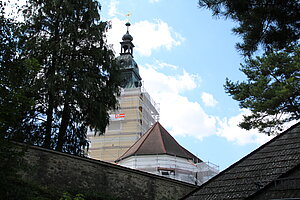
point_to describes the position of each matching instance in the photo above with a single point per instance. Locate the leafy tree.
(269, 23)
(80, 77)
(17, 83)
(58, 74)
(272, 90)
(67, 196)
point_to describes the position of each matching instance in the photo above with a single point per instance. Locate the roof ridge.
(175, 140)
(185, 151)
(157, 140)
(146, 136)
(162, 140)
(148, 133)
(241, 160)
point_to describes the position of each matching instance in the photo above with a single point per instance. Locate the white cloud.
(158, 82)
(150, 36)
(161, 65)
(208, 99)
(147, 36)
(154, 1)
(184, 117)
(112, 8)
(177, 113)
(228, 128)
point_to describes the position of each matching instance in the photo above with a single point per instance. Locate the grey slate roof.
(255, 171)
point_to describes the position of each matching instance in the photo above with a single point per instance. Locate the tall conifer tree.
(271, 91)
(270, 24)
(75, 72)
(17, 83)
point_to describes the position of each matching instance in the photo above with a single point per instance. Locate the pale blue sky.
(184, 55)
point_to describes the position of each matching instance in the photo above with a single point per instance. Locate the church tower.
(129, 69)
(136, 114)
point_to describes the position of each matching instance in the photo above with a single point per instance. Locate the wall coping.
(107, 164)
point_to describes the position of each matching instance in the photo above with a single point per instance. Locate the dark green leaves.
(266, 23)
(63, 75)
(271, 91)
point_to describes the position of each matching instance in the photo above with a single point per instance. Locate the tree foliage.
(272, 90)
(269, 23)
(68, 76)
(17, 82)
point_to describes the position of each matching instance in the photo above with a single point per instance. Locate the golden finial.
(128, 15)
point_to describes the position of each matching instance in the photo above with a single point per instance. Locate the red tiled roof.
(156, 141)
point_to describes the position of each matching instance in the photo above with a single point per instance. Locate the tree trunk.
(50, 74)
(65, 119)
(49, 114)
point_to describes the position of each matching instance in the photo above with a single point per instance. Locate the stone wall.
(67, 173)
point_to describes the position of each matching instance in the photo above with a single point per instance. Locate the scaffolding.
(173, 167)
(137, 112)
(206, 170)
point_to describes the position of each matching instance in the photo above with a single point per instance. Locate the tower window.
(165, 173)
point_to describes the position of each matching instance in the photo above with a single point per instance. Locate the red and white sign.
(116, 117)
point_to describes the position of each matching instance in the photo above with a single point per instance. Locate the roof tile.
(255, 171)
(155, 141)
